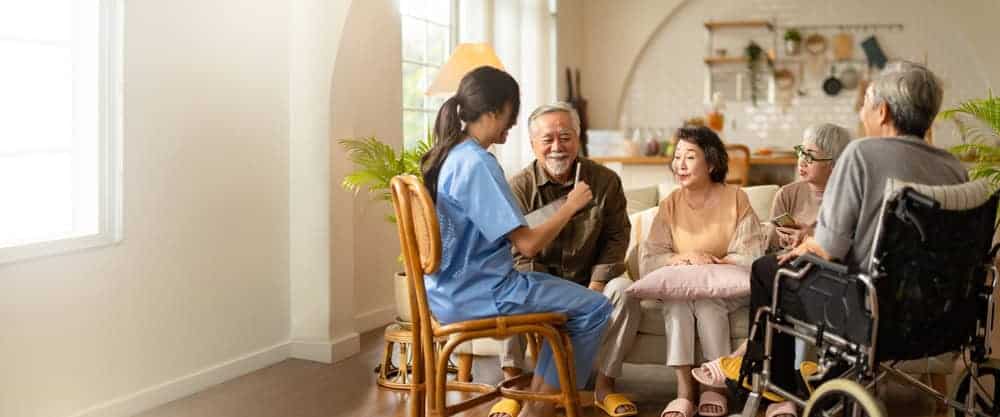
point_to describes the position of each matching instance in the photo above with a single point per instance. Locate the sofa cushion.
(641, 223)
(761, 199)
(640, 199)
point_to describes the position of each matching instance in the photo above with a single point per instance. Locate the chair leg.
(940, 384)
(562, 356)
(464, 367)
(383, 371)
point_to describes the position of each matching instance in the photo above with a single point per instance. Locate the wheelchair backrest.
(928, 261)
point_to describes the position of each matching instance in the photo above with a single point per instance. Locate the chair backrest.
(930, 260)
(420, 240)
(739, 164)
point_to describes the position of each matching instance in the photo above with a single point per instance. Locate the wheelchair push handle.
(919, 199)
(809, 258)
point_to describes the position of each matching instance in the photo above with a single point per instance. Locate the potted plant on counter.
(375, 164)
(793, 41)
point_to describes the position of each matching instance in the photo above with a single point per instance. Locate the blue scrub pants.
(587, 313)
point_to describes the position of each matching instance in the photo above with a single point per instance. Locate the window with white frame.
(428, 37)
(60, 153)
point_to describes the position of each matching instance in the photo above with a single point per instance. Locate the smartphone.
(784, 220)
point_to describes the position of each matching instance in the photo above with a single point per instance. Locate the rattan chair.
(420, 239)
(739, 164)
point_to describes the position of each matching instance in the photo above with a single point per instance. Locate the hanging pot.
(784, 79)
(849, 78)
(832, 85)
(816, 44)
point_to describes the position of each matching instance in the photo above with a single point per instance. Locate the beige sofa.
(650, 344)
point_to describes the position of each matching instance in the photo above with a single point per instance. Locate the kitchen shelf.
(745, 24)
(716, 60)
(663, 160)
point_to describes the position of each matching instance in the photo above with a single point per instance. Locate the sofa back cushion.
(641, 223)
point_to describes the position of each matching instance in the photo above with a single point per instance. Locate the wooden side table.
(396, 375)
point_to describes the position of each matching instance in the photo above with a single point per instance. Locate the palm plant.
(376, 162)
(978, 122)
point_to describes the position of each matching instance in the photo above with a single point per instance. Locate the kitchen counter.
(644, 171)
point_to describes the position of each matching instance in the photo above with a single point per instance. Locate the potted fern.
(978, 123)
(375, 164)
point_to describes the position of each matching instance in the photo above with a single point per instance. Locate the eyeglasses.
(807, 156)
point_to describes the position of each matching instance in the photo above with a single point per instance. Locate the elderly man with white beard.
(590, 250)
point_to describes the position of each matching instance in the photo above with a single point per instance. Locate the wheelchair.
(927, 290)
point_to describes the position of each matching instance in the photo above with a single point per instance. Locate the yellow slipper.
(807, 369)
(731, 368)
(612, 402)
(505, 407)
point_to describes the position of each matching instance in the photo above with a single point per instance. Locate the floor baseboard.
(374, 319)
(148, 398)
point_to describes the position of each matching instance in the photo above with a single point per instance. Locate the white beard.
(558, 167)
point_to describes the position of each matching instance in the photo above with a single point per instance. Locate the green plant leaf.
(376, 163)
(979, 141)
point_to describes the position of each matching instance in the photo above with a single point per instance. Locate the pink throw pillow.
(693, 282)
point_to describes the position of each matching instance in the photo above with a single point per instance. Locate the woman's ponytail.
(483, 90)
(447, 134)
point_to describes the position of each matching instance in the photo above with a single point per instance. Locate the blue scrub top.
(476, 210)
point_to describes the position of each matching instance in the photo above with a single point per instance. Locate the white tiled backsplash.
(668, 80)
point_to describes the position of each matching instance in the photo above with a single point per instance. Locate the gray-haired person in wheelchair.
(907, 248)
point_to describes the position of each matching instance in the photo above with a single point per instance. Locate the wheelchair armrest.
(820, 262)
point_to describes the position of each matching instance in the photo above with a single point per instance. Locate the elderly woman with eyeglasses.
(796, 205)
(793, 215)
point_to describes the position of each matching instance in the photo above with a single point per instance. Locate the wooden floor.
(308, 389)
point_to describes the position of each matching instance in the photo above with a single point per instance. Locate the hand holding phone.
(784, 220)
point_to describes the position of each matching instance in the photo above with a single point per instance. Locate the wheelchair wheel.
(843, 398)
(989, 378)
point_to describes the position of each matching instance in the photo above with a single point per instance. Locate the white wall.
(201, 277)
(316, 33)
(616, 34)
(240, 247)
(367, 101)
(666, 85)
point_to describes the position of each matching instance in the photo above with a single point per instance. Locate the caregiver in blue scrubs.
(480, 220)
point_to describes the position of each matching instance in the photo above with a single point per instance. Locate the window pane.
(37, 20)
(413, 86)
(40, 208)
(439, 11)
(414, 127)
(413, 39)
(437, 44)
(417, 8)
(434, 103)
(429, 75)
(37, 99)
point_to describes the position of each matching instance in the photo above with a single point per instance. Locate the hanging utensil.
(580, 104)
(832, 85)
(849, 78)
(843, 46)
(874, 52)
(816, 44)
(569, 86)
